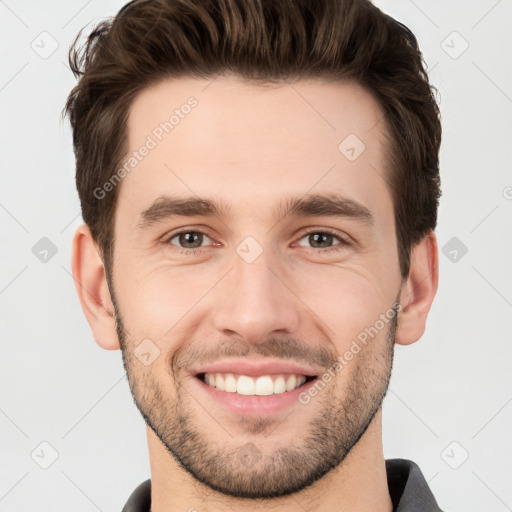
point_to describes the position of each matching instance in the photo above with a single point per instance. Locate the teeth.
(262, 386)
(291, 383)
(279, 385)
(245, 385)
(229, 383)
(219, 382)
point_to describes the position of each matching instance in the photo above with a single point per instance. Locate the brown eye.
(188, 239)
(323, 240)
(320, 240)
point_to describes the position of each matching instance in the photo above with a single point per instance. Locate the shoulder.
(408, 489)
(140, 498)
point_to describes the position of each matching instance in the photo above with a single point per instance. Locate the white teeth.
(229, 383)
(291, 383)
(262, 386)
(219, 382)
(245, 385)
(279, 385)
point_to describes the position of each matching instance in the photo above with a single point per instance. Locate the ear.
(91, 286)
(418, 291)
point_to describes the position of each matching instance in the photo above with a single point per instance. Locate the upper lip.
(254, 368)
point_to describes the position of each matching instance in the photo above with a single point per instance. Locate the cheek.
(156, 304)
(343, 299)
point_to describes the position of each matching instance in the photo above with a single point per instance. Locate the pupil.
(189, 238)
(316, 237)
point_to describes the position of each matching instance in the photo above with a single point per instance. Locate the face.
(254, 248)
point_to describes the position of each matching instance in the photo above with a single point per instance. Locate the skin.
(252, 146)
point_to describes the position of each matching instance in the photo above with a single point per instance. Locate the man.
(259, 183)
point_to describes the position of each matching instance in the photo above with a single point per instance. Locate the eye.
(188, 240)
(323, 239)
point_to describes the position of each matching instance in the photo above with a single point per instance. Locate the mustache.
(280, 348)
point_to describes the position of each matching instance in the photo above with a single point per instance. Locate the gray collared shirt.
(408, 490)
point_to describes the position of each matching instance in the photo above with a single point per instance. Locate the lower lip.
(253, 404)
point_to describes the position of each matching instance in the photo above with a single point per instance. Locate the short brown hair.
(273, 41)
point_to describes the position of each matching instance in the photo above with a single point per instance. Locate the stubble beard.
(243, 470)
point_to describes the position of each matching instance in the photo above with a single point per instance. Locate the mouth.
(252, 387)
(252, 395)
(255, 385)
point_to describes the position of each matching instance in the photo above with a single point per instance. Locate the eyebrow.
(323, 205)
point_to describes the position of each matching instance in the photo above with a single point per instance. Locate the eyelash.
(344, 242)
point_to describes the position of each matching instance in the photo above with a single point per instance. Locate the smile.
(262, 385)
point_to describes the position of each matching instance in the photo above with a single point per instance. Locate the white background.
(450, 394)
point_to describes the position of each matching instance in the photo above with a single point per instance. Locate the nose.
(256, 301)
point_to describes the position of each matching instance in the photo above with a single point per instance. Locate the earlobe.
(419, 291)
(91, 286)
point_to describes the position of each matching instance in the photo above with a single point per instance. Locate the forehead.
(250, 144)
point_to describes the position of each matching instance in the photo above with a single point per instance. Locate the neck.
(359, 483)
